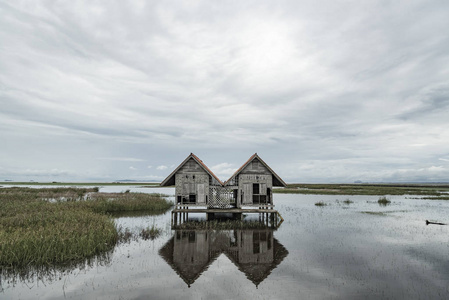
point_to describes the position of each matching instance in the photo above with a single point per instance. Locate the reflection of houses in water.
(255, 252)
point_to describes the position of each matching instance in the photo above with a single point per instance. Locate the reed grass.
(41, 227)
(125, 202)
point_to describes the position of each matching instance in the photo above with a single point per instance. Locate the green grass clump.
(320, 203)
(383, 201)
(53, 235)
(43, 227)
(150, 233)
(347, 201)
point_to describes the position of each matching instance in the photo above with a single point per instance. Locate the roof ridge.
(206, 167)
(209, 171)
(241, 168)
(255, 155)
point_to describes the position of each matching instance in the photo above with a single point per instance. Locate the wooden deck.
(266, 214)
(221, 210)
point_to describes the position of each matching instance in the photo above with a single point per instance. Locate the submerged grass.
(383, 213)
(376, 213)
(150, 233)
(221, 225)
(41, 227)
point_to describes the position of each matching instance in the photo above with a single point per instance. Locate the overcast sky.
(323, 91)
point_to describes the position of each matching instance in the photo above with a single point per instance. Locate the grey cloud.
(348, 88)
(129, 159)
(431, 102)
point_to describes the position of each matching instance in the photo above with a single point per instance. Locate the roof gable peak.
(280, 182)
(170, 178)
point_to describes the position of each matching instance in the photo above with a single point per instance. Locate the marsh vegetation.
(366, 189)
(41, 227)
(383, 201)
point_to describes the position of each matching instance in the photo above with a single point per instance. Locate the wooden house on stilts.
(249, 189)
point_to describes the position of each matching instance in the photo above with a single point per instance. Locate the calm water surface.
(340, 251)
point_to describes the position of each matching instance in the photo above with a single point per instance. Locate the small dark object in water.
(436, 223)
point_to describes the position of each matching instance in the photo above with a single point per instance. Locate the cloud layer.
(324, 91)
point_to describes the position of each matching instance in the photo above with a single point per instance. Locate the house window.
(192, 198)
(256, 189)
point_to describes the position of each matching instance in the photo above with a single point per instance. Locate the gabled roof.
(277, 181)
(170, 180)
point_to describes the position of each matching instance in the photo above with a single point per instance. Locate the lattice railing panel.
(221, 197)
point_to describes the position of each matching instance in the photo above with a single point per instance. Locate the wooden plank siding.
(251, 185)
(191, 182)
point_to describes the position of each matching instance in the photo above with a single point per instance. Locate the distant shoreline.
(436, 191)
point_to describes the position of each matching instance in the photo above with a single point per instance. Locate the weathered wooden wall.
(254, 172)
(250, 186)
(192, 179)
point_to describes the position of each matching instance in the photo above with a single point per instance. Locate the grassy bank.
(40, 227)
(56, 183)
(365, 189)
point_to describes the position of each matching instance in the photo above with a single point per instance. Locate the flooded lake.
(353, 249)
